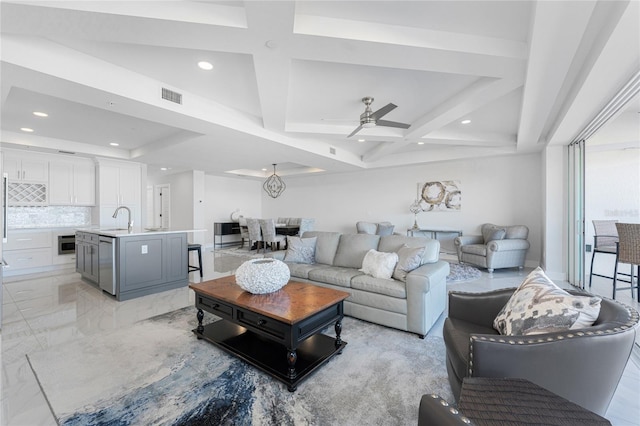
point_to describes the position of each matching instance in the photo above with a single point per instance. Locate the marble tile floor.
(47, 310)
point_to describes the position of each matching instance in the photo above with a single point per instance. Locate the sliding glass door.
(575, 209)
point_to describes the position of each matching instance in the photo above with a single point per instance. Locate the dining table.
(284, 229)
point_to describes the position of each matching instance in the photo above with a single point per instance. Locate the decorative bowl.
(261, 276)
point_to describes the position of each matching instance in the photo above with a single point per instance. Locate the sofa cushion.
(394, 243)
(477, 249)
(301, 270)
(409, 258)
(539, 306)
(300, 250)
(334, 275)
(393, 288)
(353, 248)
(379, 264)
(492, 232)
(326, 245)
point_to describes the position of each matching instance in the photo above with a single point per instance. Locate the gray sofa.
(412, 306)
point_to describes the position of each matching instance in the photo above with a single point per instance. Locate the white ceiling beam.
(408, 36)
(468, 100)
(611, 60)
(556, 32)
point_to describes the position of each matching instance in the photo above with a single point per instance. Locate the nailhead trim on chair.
(634, 318)
(452, 410)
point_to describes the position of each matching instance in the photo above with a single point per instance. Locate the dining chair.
(244, 231)
(628, 252)
(306, 224)
(604, 241)
(269, 235)
(255, 233)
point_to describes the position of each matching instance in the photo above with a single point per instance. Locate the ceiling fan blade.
(383, 111)
(386, 123)
(355, 131)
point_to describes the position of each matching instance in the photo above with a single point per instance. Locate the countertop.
(123, 232)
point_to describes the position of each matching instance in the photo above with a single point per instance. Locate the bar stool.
(196, 247)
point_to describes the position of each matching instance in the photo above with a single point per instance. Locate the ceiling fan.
(371, 119)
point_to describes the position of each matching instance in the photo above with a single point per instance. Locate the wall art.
(440, 196)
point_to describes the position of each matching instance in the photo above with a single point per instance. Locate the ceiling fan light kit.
(370, 119)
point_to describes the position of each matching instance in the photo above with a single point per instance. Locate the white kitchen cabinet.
(118, 185)
(30, 167)
(28, 249)
(72, 182)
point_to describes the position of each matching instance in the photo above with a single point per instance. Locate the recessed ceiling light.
(420, 143)
(26, 129)
(163, 168)
(361, 140)
(465, 121)
(40, 114)
(264, 170)
(114, 144)
(207, 66)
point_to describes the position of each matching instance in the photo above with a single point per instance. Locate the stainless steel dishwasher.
(107, 255)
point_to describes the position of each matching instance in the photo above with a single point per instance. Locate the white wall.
(501, 190)
(222, 196)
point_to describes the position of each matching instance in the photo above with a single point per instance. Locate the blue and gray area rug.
(157, 372)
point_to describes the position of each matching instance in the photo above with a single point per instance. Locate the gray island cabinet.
(134, 264)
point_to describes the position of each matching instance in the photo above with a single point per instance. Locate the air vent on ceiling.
(66, 152)
(332, 150)
(172, 96)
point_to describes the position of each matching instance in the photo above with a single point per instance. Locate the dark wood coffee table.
(279, 333)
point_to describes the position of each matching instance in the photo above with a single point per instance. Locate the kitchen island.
(130, 264)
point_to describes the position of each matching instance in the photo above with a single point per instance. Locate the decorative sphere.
(260, 276)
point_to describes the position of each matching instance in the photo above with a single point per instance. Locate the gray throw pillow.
(300, 250)
(491, 233)
(539, 306)
(409, 258)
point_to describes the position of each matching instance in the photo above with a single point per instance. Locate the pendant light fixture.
(274, 185)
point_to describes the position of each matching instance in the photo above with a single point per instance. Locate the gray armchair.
(582, 365)
(497, 247)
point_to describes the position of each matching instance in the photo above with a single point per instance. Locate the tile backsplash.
(48, 217)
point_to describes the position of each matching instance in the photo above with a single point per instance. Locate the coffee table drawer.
(273, 328)
(215, 307)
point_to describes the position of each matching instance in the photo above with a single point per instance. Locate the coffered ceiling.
(288, 78)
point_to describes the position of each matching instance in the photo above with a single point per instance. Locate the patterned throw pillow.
(379, 264)
(301, 250)
(409, 258)
(539, 306)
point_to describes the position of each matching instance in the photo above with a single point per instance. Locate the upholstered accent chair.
(306, 224)
(583, 365)
(497, 247)
(380, 228)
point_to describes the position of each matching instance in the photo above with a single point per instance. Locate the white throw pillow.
(379, 264)
(301, 250)
(539, 306)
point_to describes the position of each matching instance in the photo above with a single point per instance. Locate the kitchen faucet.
(130, 222)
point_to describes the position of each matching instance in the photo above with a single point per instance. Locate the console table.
(436, 234)
(221, 229)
